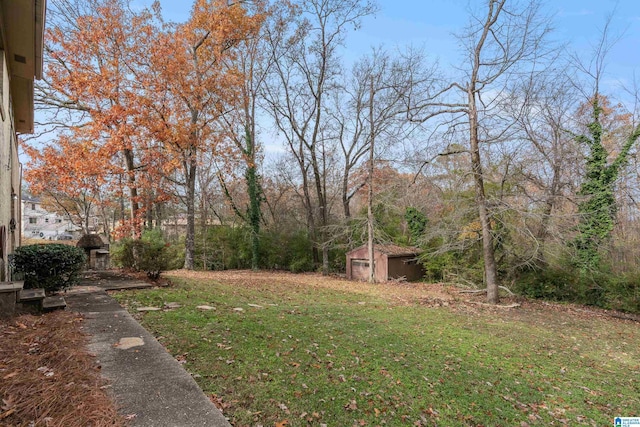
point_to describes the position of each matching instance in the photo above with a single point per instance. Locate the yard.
(296, 350)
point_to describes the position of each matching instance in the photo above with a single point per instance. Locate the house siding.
(38, 223)
(358, 264)
(10, 171)
(21, 46)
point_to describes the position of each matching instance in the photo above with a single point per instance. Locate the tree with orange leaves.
(71, 178)
(92, 48)
(190, 82)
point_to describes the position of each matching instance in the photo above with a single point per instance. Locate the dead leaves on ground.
(48, 377)
(432, 295)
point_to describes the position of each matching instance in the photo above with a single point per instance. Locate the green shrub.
(623, 293)
(300, 251)
(416, 223)
(437, 266)
(302, 265)
(553, 284)
(565, 283)
(150, 254)
(225, 247)
(122, 253)
(52, 267)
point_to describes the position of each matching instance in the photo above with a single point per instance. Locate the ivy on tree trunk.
(598, 208)
(253, 186)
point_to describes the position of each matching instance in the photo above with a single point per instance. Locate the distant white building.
(38, 223)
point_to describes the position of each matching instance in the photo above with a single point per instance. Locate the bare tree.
(501, 45)
(370, 105)
(306, 68)
(550, 165)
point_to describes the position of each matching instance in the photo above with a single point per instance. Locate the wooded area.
(516, 168)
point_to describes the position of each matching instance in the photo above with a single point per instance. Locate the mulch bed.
(47, 376)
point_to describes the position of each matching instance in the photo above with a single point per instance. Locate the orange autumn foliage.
(145, 95)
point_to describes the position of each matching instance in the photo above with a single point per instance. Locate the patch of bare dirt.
(99, 277)
(47, 376)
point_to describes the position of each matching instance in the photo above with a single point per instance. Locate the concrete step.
(53, 303)
(10, 286)
(9, 297)
(26, 295)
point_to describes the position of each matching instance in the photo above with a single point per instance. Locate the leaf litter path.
(47, 376)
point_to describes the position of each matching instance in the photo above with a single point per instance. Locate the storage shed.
(390, 262)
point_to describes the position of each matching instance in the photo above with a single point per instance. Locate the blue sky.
(432, 24)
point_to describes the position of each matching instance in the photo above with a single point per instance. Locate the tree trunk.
(311, 221)
(105, 220)
(149, 212)
(133, 192)
(372, 268)
(488, 254)
(322, 207)
(159, 215)
(549, 206)
(189, 244)
(253, 188)
(345, 196)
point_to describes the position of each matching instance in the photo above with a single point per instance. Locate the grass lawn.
(281, 349)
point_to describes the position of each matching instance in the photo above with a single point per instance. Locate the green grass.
(318, 356)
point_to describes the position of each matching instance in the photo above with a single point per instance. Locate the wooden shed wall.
(358, 265)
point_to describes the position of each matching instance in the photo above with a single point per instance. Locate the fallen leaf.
(351, 406)
(285, 409)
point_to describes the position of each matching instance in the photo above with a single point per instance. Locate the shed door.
(359, 269)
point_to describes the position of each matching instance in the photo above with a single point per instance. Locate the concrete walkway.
(147, 383)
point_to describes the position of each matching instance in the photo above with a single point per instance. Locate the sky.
(432, 25)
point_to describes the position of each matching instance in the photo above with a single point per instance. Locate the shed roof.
(393, 250)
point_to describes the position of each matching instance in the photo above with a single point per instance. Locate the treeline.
(516, 167)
